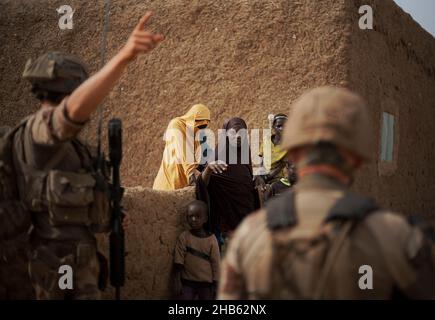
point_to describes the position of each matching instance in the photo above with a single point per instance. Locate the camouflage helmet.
(329, 114)
(56, 72)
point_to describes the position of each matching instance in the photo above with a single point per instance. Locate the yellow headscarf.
(272, 154)
(180, 154)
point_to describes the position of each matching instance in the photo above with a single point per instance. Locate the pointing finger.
(143, 21)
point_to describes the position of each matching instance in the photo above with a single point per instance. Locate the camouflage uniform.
(261, 263)
(14, 225)
(14, 277)
(56, 183)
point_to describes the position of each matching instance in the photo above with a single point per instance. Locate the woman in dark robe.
(227, 183)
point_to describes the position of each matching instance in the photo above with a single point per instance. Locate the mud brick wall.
(157, 218)
(29, 28)
(393, 67)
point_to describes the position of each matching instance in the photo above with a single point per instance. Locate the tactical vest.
(70, 198)
(14, 217)
(310, 258)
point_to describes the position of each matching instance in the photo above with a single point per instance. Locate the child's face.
(289, 170)
(286, 170)
(196, 217)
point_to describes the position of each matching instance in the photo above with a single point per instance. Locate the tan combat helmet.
(329, 114)
(56, 72)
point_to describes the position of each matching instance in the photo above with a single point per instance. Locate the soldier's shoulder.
(255, 219)
(36, 116)
(392, 227)
(4, 130)
(251, 228)
(21, 125)
(383, 217)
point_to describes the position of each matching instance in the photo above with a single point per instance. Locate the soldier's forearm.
(86, 98)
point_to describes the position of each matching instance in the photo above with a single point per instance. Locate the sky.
(422, 11)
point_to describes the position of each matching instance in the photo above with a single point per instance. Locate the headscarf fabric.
(272, 153)
(182, 152)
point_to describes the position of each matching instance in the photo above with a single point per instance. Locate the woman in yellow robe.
(182, 151)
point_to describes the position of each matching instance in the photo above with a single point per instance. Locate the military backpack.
(14, 217)
(312, 256)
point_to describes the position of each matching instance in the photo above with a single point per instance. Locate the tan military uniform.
(47, 142)
(383, 240)
(14, 277)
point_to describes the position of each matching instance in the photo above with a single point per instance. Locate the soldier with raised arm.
(57, 179)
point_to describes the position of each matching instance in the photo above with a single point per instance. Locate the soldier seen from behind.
(57, 181)
(322, 241)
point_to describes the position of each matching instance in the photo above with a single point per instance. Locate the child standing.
(196, 257)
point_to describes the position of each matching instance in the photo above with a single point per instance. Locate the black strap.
(84, 154)
(56, 158)
(197, 253)
(351, 206)
(281, 211)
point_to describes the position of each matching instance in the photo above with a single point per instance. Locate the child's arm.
(178, 286)
(215, 259)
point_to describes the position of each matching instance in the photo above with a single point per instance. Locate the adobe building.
(243, 58)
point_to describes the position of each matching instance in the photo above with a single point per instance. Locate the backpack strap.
(11, 132)
(331, 256)
(56, 159)
(281, 211)
(350, 209)
(351, 206)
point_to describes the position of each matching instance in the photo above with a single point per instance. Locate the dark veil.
(231, 195)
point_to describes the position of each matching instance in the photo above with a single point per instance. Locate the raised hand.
(140, 40)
